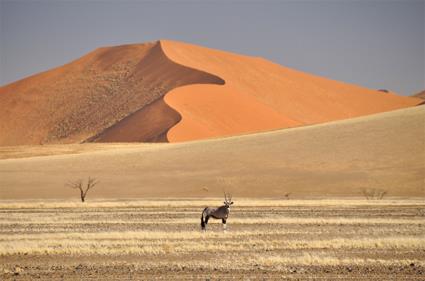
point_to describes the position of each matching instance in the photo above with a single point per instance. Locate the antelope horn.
(228, 197)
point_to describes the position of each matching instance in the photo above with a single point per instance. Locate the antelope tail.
(202, 219)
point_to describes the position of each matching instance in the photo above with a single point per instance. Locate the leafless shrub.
(79, 184)
(374, 193)
(227, 182)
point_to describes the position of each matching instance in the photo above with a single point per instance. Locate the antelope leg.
(224, 224)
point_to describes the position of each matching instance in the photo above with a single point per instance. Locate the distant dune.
(420, 95)
(383, 151)
(172, 91)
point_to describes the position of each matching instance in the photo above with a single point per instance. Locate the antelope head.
(227, 199)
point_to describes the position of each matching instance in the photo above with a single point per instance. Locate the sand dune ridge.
(116, 94)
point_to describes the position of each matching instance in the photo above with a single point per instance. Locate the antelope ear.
(231, 203)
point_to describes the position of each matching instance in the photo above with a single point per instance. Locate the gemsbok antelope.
(217, 213)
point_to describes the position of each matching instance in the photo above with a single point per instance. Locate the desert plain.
(266, 239)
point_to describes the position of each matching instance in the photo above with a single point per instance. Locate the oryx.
(217, 213)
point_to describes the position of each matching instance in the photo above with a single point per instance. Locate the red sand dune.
(116, 94)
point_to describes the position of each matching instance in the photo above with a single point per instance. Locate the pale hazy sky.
(374, 43)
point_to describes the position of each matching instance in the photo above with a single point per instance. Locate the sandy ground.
(161, 239)
(384, 151)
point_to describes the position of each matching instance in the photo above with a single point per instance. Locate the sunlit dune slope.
(299, 98)
(214, 110)
(382, 151)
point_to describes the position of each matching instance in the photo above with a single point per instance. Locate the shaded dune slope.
(111, 94)
(384, 151)
(71, 102)
(292, 98)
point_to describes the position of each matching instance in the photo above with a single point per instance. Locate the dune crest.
(151, 122)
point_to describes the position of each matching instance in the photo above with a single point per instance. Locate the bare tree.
(79, 184)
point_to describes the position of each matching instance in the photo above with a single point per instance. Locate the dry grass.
(323, 259)
(245, 221)
(183, 243)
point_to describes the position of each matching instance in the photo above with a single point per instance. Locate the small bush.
(374, 193)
